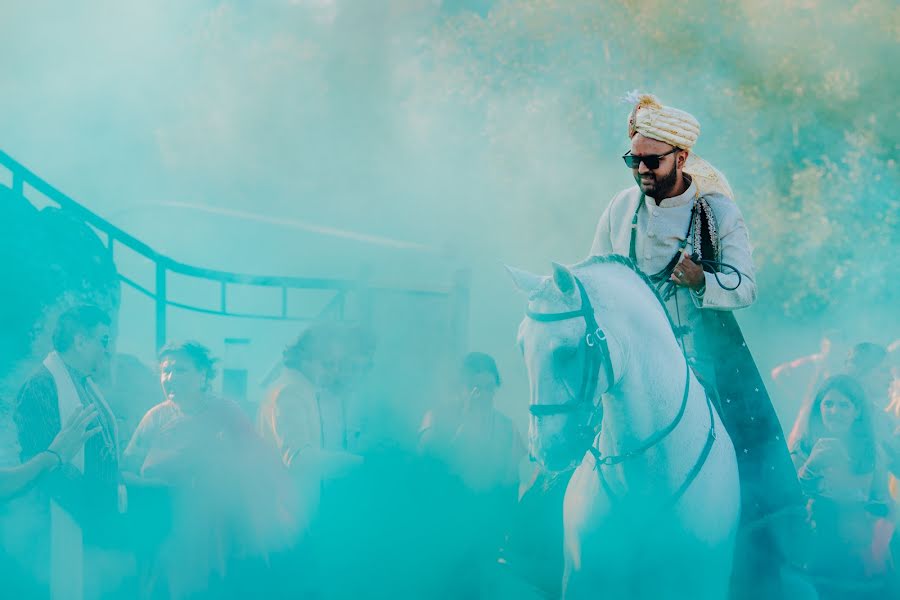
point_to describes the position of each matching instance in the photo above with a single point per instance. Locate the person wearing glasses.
(81, 498)
(659, 222)
(681, 226)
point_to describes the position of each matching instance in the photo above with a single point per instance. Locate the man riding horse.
(681, 226)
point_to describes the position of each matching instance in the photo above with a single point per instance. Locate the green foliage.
(796, 99)
(50, 260)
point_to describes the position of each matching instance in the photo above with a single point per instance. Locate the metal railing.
(457, 293)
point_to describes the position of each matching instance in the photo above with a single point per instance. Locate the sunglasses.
(634, 161)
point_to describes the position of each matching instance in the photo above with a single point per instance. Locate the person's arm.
(64, 446)
(135, 454)
(36, 416)
(809, 478)
(19, 478)
(795, 364)
(299, 443)
(890, 448)
(602, 244)
(426, 432)
(136, 451)
(37, 420)
(734, 250)
(827, 469)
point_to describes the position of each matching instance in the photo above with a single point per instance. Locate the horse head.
(570, 363)
(582, 325)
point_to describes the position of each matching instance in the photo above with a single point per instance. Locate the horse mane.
(632, 266)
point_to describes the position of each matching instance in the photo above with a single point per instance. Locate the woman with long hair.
(841, 472)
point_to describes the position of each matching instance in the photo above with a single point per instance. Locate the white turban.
(676, 128)
(664, 123)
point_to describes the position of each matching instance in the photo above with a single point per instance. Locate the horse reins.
(710, 265)
(597, 350)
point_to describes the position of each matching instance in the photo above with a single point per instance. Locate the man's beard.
(660, 187)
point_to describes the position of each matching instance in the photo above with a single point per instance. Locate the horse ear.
(525, 281)
(563, 279)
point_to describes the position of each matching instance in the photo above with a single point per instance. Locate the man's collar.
(686, 197)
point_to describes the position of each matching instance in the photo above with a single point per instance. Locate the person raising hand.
(68, 442)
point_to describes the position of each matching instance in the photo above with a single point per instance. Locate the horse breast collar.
(597, 351)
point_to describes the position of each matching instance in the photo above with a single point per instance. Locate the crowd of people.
(314, 499)
(198, 501)
(189, 496)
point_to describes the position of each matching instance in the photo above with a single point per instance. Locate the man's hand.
(689, 274)
(80, 427)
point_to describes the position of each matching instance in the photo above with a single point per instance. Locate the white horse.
(653, 507)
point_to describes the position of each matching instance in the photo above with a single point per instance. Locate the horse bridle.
(596, 353)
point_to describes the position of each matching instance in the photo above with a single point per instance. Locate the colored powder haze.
(417, 137)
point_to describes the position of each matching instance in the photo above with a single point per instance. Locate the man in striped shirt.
(88, 487)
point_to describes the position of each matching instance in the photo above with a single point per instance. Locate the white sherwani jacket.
(660, 231)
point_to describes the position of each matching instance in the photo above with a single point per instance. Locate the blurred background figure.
(81, 501)
(482, 449)
(891, 444)
(798, 379)
(312, 417)
(306, 416)
(867, 363)
(841, 470)
(227, 502)
(477, 441)
(81, 426)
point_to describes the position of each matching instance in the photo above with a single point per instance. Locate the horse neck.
(647, 397)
